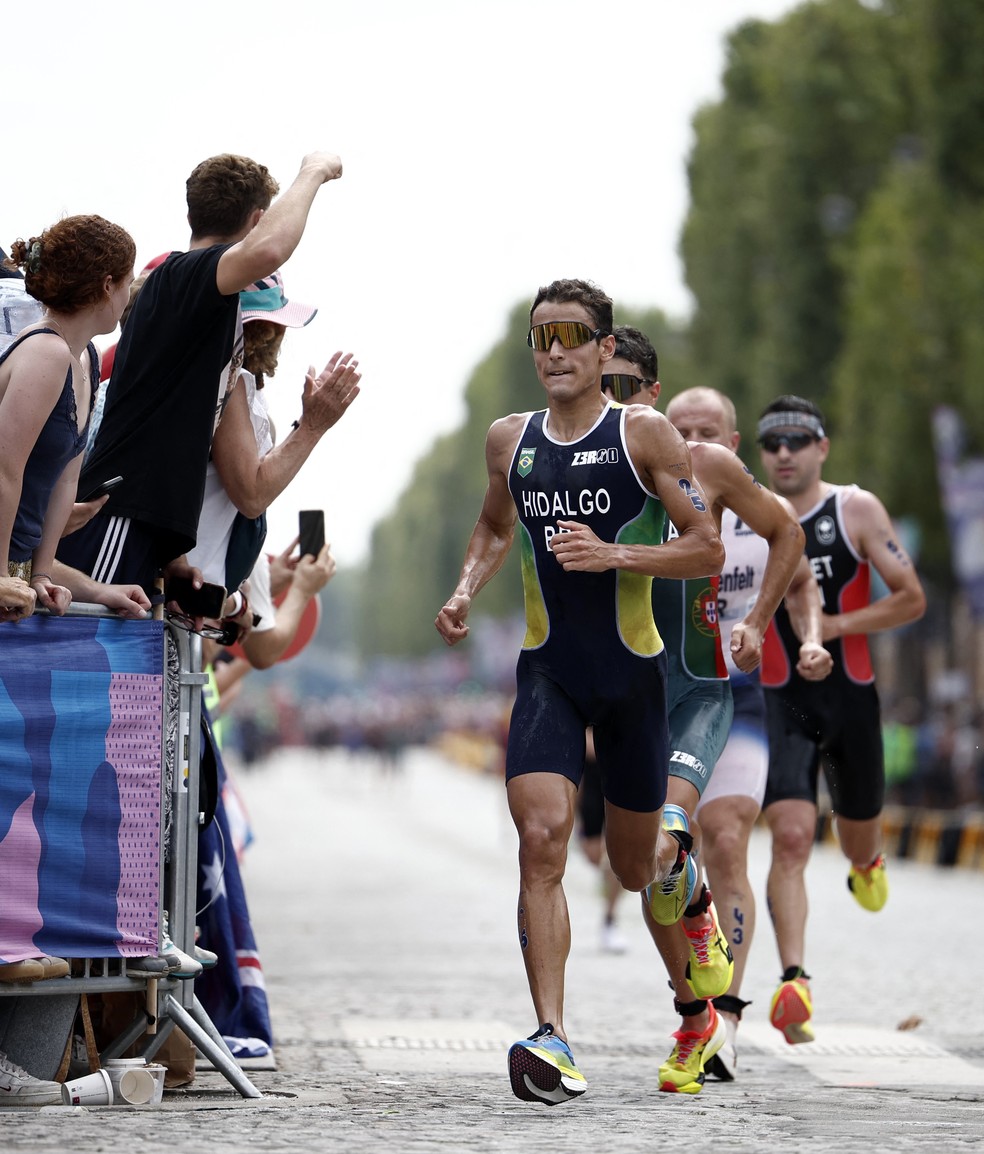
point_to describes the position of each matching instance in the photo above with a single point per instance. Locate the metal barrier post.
(182, 1006)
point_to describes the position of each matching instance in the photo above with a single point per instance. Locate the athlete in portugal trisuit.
(591, 484)
(696, 953)
(732, 800)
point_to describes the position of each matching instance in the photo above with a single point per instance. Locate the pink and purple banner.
(81, 720)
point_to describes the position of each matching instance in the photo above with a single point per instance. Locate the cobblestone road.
(384, 906)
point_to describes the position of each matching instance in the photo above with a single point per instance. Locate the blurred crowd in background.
(933, 755)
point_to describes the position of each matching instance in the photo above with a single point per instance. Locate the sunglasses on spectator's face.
(623, 385)
(571, 334)
(773, 442)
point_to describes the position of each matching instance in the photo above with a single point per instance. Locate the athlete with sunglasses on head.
(836, 723)
(591, 484)
(695, 951)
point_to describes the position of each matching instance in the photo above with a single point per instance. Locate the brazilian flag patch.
(525, 462)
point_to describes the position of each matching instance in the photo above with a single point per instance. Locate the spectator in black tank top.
(80, 271)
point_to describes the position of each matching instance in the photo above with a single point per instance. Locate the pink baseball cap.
(264, 300)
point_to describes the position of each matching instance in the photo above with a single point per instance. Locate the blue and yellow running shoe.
(542, 1069)
(870, 885)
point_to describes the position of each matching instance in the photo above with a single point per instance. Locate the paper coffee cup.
(92, 1090)
(138, 1086)
(117, 1067)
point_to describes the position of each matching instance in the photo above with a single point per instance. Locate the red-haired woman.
(80, 270)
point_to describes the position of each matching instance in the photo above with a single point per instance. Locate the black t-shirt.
(173, 356)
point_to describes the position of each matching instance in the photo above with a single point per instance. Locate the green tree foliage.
(946, 43)
(781, 169)
(833, 242)
(912, 342)
(913, 288)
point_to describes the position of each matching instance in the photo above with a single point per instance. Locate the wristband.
(243, 606)
(39, 576)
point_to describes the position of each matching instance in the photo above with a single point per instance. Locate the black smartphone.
(99, 490)
(311, 530)
(209, 601)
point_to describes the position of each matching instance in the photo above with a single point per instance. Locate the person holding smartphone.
(249, 469)
(239, 1010)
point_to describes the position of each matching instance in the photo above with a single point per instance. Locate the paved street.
(384, 907)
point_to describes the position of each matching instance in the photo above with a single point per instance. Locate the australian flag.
(233, 992)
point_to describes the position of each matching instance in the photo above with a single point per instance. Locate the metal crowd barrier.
(169, 1002)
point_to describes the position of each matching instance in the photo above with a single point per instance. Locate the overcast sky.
(489, 146)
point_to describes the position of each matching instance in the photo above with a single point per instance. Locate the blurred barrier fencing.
(953, 838)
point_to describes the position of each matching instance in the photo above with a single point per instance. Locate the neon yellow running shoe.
(792, 1009)
(711, 967)
(542, 1069)
(683, 1070)
(869, 886)
(670, 897)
